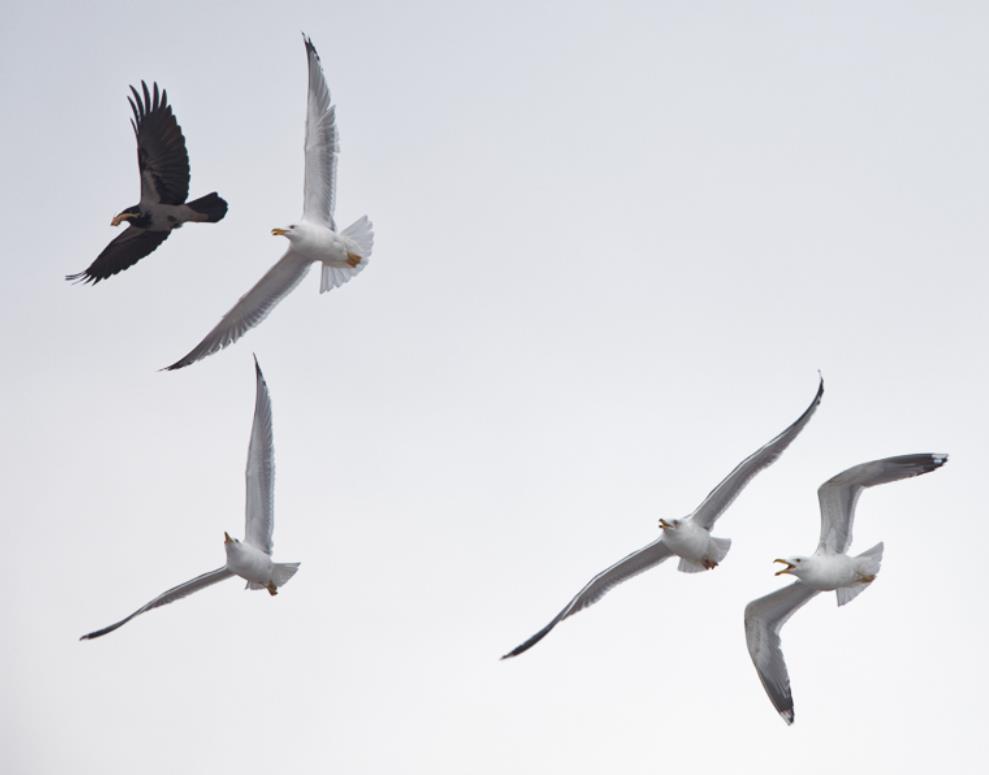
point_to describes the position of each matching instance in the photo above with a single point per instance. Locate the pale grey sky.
(613, 248)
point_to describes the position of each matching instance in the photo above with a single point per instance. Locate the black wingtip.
(520, 649)
(310, 48)
(83, 278)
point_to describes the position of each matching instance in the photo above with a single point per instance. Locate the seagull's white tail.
(281, 572)
(872, 560)
(689, 566)
(719, 548)
(361, 233)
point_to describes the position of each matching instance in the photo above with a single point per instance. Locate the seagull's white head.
(669, 524)
(794, 566)
(291, 232)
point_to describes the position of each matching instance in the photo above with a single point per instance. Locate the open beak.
(226, 538)
(789, 567)
(119, 219)
(276, 232)
(665, 525)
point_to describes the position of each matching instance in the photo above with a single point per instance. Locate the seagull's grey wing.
(175, 593)
(721, 497)
(764, 618)
(839, 494)
(161, 155)
(252, 308)
(122, 253)
(260, 474)
(322, 146)
(632, 565)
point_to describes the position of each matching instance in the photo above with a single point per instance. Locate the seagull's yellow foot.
(353, 260)
(120, 218)
(868, 579)
(272, 589)
(710, 564)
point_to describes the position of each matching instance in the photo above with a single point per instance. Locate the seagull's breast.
(689, 540)
(827, 572)
(248, 562)
(318, 243)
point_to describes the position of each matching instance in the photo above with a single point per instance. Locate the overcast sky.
(613, 248)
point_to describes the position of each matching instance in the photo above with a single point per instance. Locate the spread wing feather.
(170, 596)
(123, 252)
(161, 154)
(721, 497)
(629, 566)
(764, 618)
(322, 146)
(840, 493)
(252, 308)
(260, 474)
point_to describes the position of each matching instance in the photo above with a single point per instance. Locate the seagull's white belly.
(689, 541)
(829, 572)
(318, 243)
(248, 562)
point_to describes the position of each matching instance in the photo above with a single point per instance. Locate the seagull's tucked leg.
(717, 549)
(272, 589)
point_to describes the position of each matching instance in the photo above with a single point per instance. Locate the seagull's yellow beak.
(664, 524)
(226, 538)
(789, 567)
(276, 232)
(120, 218)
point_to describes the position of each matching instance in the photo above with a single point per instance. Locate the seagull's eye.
(798, 561)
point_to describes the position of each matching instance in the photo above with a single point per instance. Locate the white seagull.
(688, 538)
(312, 240)
(251, 558)
(829, 568)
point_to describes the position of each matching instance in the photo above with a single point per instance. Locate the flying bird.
(314, 239)
(164, 166)
(829, 568)
(251, 558)
(688, 538)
